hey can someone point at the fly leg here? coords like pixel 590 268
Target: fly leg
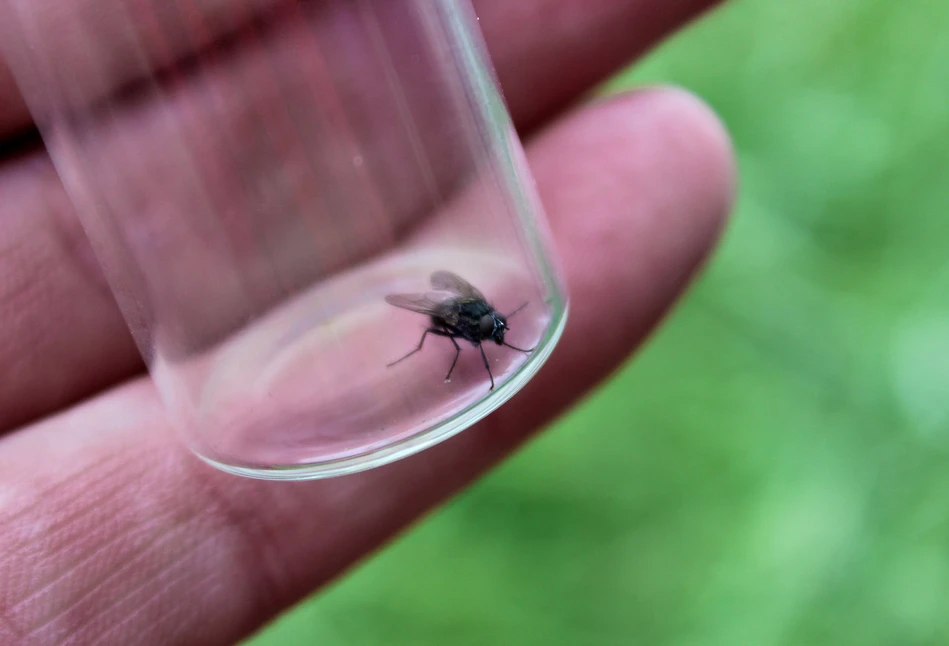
pixel 455 360
pixel 514 347
pixel 486 366
pixel 448 334
pixel 432 330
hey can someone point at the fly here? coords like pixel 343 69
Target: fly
pixel 457 310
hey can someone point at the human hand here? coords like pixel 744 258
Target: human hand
pixel 114 533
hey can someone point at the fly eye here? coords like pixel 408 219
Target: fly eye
pixel 487 325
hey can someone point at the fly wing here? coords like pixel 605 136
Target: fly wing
pixel 449 282
pixel 431 304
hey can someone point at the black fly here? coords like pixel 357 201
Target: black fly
pixel 457 311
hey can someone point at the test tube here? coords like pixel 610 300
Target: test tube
pixel 286 197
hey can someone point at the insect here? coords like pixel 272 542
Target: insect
pixel 457 310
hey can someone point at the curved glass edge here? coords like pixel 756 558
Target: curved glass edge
pixel 419 442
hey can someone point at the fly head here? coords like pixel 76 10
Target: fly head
pixel 493 326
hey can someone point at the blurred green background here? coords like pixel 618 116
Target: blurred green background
pixel 772 468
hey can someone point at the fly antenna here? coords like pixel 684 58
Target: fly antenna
pixel 516 311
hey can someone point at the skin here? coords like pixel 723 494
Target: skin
pixel 114 533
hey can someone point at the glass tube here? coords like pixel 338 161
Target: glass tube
pixel 259 177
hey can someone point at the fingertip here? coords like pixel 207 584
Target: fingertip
pixel 693 129
pixel 671 127
pixel 638 187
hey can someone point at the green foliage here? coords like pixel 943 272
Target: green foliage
pixel 784 477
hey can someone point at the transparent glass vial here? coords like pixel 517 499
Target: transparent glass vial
pixel 256 177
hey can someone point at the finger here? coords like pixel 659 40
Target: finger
pixel 61 335
pixel 14 115
pixel 123 49
pixel 112 533
pixel 546 51
pixel 549 52
pixel 49 275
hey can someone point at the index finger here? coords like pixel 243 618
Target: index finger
pixel 114 534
